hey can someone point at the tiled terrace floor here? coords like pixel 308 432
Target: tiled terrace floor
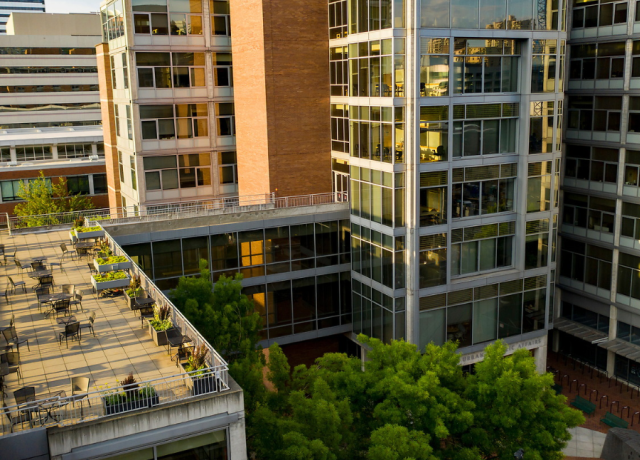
pixel 120 345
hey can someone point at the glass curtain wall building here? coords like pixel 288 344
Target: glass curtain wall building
pixel 169 80
pixel 599 260
pixel 448 114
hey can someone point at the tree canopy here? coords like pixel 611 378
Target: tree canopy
pixel 42 196
pixel 406 405
pixel 400 404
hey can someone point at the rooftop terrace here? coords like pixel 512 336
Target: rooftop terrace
pixel 120 346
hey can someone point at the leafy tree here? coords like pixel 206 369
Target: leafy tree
pixel 223 315
pixel 227 319
pixel 406 405
pixel 42 196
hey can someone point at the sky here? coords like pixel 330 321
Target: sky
pixel 72 6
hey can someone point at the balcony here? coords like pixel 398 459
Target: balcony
pixel 121 345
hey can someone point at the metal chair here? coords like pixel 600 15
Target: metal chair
pixel 12 359
pixel 61 306
pixel 79 391
pixel 70 330
pixel 14 285
pixel 20 266
pixel 67 252
pixel 37 265
pixel 68 288
pixel 41 293
pixel 11 336
pixel 13 256
pixel 46 281
pixel 17 417
pixel 92 320
pixel 77 300
pixel 175 339
pixel 5 294
pixel 146 313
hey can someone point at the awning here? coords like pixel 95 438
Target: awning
pixel 578 330
pixel 622 348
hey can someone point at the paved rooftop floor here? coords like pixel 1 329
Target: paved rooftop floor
pixel 120 345
pixel 585 443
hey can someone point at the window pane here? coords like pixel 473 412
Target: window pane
pixel 153 180
pixel 169 179
pixel 485 320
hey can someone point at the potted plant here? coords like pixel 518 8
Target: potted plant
pixel 135 290
pixel 130 397
pixel 201 379
pixel 111 263
pixel 110 280
pixel 83 233
pixel 160 323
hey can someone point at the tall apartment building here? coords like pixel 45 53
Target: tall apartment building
pixel 446 119
pixel 600 259
pixel 167 101
pixel 50 118
pixel 8 6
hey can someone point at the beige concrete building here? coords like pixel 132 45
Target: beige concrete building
pixel 50 117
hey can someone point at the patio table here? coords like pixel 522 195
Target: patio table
pixel 50 404
pixel 37 274
pixel 66 320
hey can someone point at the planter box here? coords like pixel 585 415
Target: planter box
pixel 128 406
pixel 86 235
pixel 159 338
pixel 111 267
pixel 124 282
pixel 201 385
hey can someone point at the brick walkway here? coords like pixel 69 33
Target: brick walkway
pixel 607 393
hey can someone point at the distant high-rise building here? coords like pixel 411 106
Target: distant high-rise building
pixel 23 6
pixel 50 117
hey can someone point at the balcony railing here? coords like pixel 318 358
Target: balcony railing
pixel 170 211
pixel 106 401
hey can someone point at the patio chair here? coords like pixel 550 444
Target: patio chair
pixel 67 252
pixel 20 266
pixel 14 285
pixel 57 264
pixel 77 300
pixel 11 336
pixel 5 294
pixel 92 320
pixel 17 417
pixel 147 313
pixel 61 306
pixel 70 330
pixel 79 390
pixel 92 268
pixel 38 265
pixel 68 288
pixel 12 359
pixel 175 339
pixel 6 256
pixel 25 395
pixel 42 292
pixel 46 281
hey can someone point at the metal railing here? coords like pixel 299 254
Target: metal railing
pixel 214 360
pixel 105 401
pixel 169 211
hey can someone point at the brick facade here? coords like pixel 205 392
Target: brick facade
pixel 108 124
pixel 281 89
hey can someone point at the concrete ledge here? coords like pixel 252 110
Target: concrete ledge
pixel 621 443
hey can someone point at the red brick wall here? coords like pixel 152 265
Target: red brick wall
pixel 281 78
pixel 108 124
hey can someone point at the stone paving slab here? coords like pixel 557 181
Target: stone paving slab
pixel 120 346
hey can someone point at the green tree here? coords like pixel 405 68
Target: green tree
pixel 41 196
pixel 404 404
pixel 515 408
pixel 223 315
